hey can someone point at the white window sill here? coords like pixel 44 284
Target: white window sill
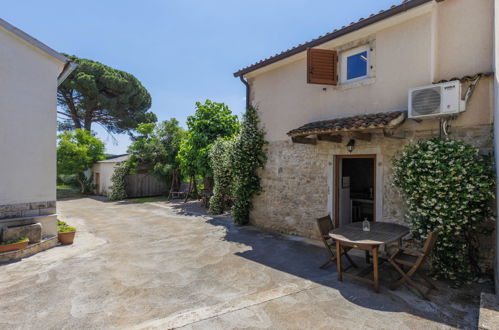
pixel 355 84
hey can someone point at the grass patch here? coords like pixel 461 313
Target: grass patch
pixel 65 191
pixel 147 199
pixel 65 186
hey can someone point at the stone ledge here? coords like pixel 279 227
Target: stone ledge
pixel 45 244
pixel 489 312
pixel 27 209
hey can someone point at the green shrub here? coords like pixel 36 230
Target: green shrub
pixel 63 227
pixel 448 186
pixel 14 241
pixel 220 161
pixel 247 157
pixel 118 188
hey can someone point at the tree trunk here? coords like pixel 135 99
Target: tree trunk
pixel 88 124
pixel 82 185
pixel 188 191
pixel 88 120
pixel 208 185
pixel 194 188
pixel 72 109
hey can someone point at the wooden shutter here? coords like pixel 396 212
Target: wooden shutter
pixel 322 66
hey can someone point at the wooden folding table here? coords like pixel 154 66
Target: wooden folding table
pixel 352 235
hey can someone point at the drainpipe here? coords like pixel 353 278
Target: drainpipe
pixel 496 131
pixel 247 91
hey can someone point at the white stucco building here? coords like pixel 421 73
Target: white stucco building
pixel 31 72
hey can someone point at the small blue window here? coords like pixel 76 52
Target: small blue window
pixel 357 65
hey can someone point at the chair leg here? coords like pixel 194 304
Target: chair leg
pixel 328 263
pixel 368 257
pixel 350 260
pixel 414 285
pixel 401 280
pixel 406 278
pixel 428 281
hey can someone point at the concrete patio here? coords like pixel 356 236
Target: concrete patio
pixel 152 265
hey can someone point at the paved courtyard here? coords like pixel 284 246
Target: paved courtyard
pixel 146 266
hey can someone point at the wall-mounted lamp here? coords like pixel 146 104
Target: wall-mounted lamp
pixel 350 145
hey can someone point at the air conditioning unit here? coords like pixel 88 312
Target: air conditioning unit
pixel 436 100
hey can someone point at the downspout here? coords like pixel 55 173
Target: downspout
pixel 496 132
pixel 247 91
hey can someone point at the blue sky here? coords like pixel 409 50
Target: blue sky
pixel 182 51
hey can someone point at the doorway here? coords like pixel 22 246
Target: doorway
pixel 355 189
pixel 97 183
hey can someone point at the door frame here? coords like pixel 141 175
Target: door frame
pixel 337 182
pixel 97 182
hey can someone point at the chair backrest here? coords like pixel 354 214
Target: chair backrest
pixel 325 225
pixel 429 244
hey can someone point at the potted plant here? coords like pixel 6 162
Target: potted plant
pixel 65 233
pixel 14 245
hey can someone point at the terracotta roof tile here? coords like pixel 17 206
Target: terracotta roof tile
pixel 355 123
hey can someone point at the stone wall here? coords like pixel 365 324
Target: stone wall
pixel 295 180
pixel 21 210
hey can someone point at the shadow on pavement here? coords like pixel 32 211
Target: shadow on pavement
pixel 452 307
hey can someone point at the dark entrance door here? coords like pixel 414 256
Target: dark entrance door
pixel 355 193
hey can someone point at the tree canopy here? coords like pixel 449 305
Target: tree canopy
pixel 76 151
pixel 211 121
pixel 157 147
pixel 96 93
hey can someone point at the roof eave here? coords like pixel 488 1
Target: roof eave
pixel 68 69
pixel 32 41
pixel 344 31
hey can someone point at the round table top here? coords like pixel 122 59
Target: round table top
pixel 380 233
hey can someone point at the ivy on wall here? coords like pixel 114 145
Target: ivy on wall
pixel 248 157
pixel 235 163
pixel 118 188
pixel 448 185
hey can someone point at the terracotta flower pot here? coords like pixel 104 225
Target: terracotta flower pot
pixel 13 246
pixel 67 237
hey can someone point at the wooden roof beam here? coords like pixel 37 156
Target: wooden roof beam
pixel 330 138
pixel 304 140
pixel 362 136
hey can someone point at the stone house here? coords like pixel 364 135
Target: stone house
pixel 31 72
pixel 335 109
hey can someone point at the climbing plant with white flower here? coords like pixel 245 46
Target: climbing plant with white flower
pixel 448 186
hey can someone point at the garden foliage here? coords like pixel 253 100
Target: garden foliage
pixel 220 159
pixel 448 185
pixel 211 121
pixel 156 148
pixel 241 159
pixel 77 151
pixel 118 179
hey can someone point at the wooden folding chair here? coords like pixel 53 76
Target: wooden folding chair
pixel 325 226
pixel 413 259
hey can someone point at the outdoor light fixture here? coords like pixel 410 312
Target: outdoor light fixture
pixel 350 145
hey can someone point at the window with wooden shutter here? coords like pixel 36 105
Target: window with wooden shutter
pixel 322 66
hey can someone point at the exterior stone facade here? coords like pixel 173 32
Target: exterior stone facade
pixel 25 214
pixel 21 210
pixel 296 180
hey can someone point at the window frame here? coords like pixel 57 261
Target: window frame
pixel 344 63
